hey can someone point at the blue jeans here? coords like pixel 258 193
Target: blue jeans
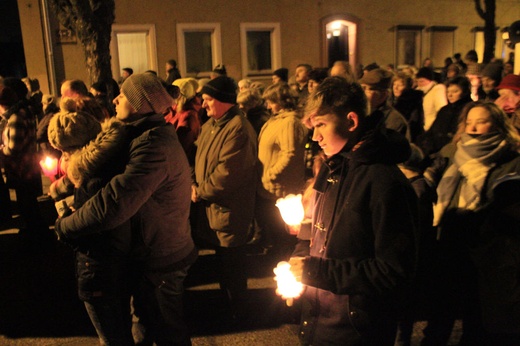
pixel 158 306
pixel 111 318
pixel 102 285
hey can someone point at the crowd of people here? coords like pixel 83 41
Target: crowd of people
pixel 410 181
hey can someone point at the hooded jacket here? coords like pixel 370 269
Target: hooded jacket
pixel 363 248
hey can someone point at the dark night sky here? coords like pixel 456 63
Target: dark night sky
pixel 12 59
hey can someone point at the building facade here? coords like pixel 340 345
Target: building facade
pixel 253 38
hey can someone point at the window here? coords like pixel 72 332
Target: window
pixel 199 48
pixel 442 40
pixel 260 48
pixel 408 45
pixel 133 46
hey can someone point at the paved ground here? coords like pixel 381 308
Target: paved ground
pixel 39 306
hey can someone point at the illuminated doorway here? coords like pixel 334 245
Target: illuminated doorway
pixel 339 39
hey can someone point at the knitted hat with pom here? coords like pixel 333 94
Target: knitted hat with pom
pixel 146 94
pixel 69 131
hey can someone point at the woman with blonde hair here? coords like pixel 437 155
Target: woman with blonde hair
pixel 185 115
pixel 281 147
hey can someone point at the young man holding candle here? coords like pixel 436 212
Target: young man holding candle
pixel 363 244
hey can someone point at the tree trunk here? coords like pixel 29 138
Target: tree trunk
pixel 91 21
pixel 489 27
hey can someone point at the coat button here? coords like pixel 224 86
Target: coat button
pixel 353 314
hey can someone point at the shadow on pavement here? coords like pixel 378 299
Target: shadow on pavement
pixel 38 291
pixel 38 295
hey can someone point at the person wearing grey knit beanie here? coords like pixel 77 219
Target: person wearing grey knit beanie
pixel 142 94
pixel 150 193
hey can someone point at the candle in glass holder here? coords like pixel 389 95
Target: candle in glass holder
pixel 288 286
pixel 291 209
pixel 49 166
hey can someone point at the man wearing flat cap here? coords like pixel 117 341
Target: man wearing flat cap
pixel 226 178
pixel 153 193
pixel 376 84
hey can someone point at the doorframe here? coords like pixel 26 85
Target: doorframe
pixel 354 53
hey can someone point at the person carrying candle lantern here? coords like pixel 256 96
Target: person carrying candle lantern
pixel 363 248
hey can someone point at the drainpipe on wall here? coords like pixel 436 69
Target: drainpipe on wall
pixel 47 37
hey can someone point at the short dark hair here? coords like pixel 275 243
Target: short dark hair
pixel 318 74
pixel 129 70
pixel 339 96
pixel 79 87
pixel 307 66
pixel 462 82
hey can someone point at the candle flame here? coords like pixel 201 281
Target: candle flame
pixel 288 285
pixel 291 209
pixel 49 166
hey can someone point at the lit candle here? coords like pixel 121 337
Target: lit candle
pixel 291 208
pixel 49 167
pixel 288 286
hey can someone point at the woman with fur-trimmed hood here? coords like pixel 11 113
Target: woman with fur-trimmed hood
pixel 92 155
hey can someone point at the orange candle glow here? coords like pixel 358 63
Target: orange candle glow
pixel 291 208
pixel 288 285
pixel 49 167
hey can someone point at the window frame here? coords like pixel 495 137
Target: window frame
pixel 216 46
pixel 434 31
pixel 276 51
pixel 148 29
pixel 418 45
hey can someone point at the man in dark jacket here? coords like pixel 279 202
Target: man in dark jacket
pixel 376 84
pixel 154 194
pixel 362 253
pixel 226 178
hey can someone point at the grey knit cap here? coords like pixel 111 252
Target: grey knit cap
pixel 146 94
pixel 69 131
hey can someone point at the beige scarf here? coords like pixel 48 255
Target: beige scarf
pixel 474 157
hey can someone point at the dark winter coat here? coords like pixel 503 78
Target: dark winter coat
pixel 443 128
pixel 153 193
pixel 227 176
pixel 363 250
pixel 409 104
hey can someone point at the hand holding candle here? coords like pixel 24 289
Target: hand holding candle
pixel 291 209
pixel 289 285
